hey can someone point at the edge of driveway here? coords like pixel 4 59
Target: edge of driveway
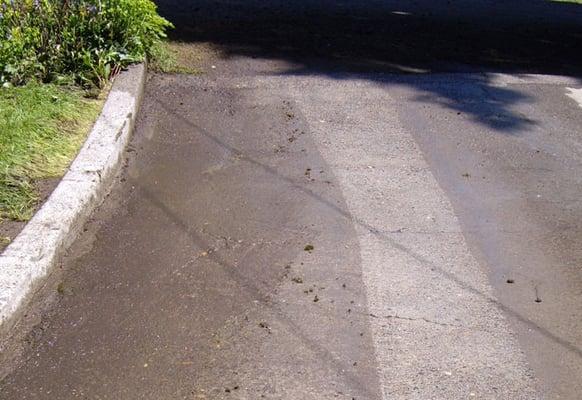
pixel 38 248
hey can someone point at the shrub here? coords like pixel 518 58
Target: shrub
pixel 48 40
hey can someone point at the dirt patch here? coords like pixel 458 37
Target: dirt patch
pixel 186 58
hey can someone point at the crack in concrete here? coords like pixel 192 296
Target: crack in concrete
pixel 394 316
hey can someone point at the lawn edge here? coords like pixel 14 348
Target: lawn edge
pixel 38 248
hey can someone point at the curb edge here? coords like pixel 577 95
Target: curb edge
pixel 32 255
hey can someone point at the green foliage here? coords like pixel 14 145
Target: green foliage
pixel 48 40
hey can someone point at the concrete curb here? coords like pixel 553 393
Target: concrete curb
pixel 38 248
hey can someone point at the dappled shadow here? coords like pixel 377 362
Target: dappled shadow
pixel 378 38
pixel 477 97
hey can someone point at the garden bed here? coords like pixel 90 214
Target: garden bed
pixel 56 60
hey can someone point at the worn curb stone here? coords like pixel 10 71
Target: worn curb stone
pixel 36 250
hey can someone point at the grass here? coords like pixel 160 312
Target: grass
pixel 42 127
pixel 176 58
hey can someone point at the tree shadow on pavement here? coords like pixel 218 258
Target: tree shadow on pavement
pixel 383 39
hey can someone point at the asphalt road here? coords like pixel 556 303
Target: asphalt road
pixel 332 219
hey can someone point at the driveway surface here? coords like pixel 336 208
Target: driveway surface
pixel 333 209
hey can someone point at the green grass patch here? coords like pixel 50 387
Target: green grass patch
pixel 42 127
pixel 176 58
pixel 568 1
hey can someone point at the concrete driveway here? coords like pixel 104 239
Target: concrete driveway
pixel 352 201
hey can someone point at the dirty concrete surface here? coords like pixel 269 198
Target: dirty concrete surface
pixel 328 213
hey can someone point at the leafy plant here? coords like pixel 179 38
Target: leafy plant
pixel 89 39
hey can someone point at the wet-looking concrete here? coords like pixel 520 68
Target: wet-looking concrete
pixel 199 282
